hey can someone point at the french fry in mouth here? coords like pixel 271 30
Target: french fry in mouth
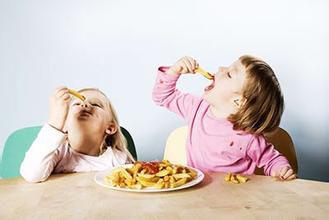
pixel 204 73
pixel 76 94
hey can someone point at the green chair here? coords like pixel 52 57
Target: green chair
pixel 20 141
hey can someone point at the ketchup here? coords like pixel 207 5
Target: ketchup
pixel 151 167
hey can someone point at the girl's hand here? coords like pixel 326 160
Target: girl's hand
pixel 286 173
pixel 59 106
pixel 183 65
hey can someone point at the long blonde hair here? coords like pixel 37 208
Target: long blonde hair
pixel 116 140
pixel 263 100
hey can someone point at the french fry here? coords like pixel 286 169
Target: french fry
pixel 145 183
pixel 241 179
pixel 232 178
pixel 76 94
pixel 163 173
pixel 146 176
pixel 180 182
pixel 125 174
pixel 159 185
pixel 228 177
pixel 204 73
pixel 181 176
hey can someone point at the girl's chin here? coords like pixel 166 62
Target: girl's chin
pixel 206 95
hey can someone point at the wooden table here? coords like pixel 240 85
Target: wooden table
pixel 77 196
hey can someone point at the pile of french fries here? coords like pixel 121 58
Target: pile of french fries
pixel 158 175
pixel 235 178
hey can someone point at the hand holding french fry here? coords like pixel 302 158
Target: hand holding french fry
pixel 183 65
pixel 59 106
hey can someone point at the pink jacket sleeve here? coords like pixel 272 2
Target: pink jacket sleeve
pixel 264 155
pixel 165 94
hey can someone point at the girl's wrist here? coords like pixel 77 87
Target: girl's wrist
pixel 57 126
pixel 171 71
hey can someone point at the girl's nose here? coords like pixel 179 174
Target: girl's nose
pixel 222 69
pixel 85 105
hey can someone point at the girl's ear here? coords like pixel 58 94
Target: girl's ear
pixel 111 129
pixel 239 101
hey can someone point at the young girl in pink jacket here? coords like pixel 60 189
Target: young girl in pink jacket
pixel 227 124
pixel 80 136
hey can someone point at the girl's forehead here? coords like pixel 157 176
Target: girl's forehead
pixel 238 66
pixel 94 94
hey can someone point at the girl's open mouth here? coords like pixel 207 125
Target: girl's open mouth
pixel 210 87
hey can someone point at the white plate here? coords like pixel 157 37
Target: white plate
pixel 100 179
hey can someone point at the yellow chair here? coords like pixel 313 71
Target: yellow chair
pixel 175 150
pixel 283 143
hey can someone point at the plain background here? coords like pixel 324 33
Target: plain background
pixel 117 46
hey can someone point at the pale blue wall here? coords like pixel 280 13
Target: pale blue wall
pixel 118 45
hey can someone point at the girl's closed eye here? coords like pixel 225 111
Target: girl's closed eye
pixel 229 75
pixel 96 105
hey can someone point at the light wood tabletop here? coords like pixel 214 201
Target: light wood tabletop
pixel 77 196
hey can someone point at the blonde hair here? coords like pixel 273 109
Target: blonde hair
pixel 263 101
pixel 116 140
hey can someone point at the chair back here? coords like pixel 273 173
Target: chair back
pixel 175 150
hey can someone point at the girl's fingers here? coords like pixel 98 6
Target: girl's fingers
pixel 196 64
pixel 62 92
pixel 187 65
pixel 283 171
pixel 191 61
pixel 293 176
pixel 183 66
pixel 288 174
pixel 66 97
pixel 275 174
pixel 58 89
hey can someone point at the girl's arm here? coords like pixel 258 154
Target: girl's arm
pixel 43 155
pixel 265 155
pixel 165 92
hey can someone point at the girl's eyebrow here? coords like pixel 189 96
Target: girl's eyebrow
pixel 235 68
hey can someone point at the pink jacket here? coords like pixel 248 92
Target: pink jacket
pixel 212 144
